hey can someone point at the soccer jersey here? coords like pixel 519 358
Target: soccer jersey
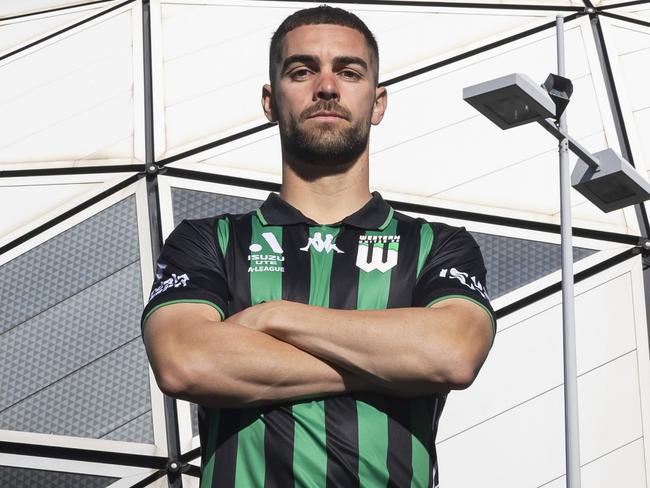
pixel 375 258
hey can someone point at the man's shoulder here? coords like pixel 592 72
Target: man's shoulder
pixel 209 224
pixel 436 227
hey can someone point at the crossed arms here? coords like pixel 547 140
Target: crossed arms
pixel 284 351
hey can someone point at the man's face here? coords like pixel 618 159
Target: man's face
pixel 324 95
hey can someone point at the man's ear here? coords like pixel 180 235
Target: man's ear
pixel 267 103
pixel 381 101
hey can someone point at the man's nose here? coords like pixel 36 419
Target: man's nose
pixel 327 87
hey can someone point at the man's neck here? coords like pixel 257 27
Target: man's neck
pixel 330 198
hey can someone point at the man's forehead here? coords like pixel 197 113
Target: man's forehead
pixel 323 39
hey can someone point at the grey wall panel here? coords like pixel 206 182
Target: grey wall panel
pixel 90 402
pixel 133 431
pixel 512 263
pixel 36 478
pixel 192 204
pixel 70 335
pixel 68 263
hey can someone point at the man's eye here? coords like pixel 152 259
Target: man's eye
pixel 350 74
pixel 300 73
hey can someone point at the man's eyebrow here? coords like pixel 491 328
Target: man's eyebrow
pixel 345 60
pixel 299 58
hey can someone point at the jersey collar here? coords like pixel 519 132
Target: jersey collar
pixel 376 214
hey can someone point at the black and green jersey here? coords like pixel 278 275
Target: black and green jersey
pixel 373 259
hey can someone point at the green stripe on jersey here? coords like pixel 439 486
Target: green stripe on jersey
pixel 426 241
pixel 208 469
pixel 374 287
pixel 373 440
pixel 421 442
pixel 320 270
pixel 250 469
pixel 223 234
pixel 309 443
pixel 265 284
pixel 310 453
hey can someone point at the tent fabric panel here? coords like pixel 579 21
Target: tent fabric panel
pixel 21 204
pixel 80 106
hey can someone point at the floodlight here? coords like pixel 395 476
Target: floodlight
pixel 511 100
pixel 559 89
pixel 614 185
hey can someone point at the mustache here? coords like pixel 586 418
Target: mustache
pixel 326 106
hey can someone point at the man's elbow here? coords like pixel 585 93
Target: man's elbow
pixel 173 379
pixel 459 372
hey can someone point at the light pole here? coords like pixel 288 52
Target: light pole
pixel 605 179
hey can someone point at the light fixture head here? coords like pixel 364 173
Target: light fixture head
pixel 559 89
pixel 510 101
pixel 615 185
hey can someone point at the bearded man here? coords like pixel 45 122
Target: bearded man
pixel 321 333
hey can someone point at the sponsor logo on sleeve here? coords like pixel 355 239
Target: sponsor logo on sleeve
pixel 377 253
pixel 319 245
pixel 174 281
pixel 469 281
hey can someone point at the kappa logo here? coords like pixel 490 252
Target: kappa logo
pixel 377 252
pixel 469 281
pixel 321 245
pixel 266 262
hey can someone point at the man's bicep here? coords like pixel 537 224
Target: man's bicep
pixel 473 316
pixel 174 320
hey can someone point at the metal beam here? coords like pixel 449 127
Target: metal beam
pixel 174 478
pixel 419 208
pixel 89 455
pixel 75 170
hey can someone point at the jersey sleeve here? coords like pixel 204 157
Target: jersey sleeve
pixel 454 268
pixel 190 269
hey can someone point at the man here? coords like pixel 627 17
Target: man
pixel 321 333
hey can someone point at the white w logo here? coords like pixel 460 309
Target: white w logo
pixel 377 252
pixel 319 244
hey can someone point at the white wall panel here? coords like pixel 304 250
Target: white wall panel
pixel 512 416
pixel 522 448
pixel 623 467
pixel 610 407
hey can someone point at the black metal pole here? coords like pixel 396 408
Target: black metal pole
pixel 171 415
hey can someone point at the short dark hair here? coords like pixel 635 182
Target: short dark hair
pixel 322 14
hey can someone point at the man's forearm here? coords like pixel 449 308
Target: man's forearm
pixel 415 350
pixel 233 366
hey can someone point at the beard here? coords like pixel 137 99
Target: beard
pixel 324 147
